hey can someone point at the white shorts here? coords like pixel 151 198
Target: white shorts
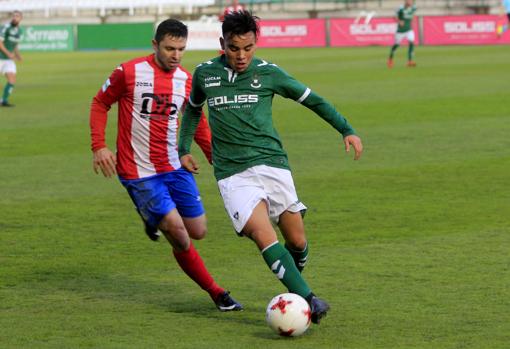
pixel 7 66
pixel 243 191
pixel 409 35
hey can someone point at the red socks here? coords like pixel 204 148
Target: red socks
pixel 193 265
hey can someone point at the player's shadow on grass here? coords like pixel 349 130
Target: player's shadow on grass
pixel 93 284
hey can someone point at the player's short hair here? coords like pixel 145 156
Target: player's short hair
pixel 171 27
pixel 17 12
pixel 240 23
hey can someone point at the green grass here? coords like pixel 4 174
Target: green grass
pixel 409 245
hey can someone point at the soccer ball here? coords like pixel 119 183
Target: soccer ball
pixel 288 314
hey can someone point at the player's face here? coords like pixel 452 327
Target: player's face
pixel 169 51
pixel 239 50
pixel 409 3
pixel 16 18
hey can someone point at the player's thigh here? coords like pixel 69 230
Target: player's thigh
pixel 259 228
pixel 174 230
pixel 399 37
pixel 151 198
pixel 241 193
pixel 196 227
pixel 280 190
pixel 410 36
pixel 184 192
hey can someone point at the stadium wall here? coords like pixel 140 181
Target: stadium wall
pixel 333 32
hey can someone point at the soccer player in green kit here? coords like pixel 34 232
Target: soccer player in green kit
pixel 405 16
pixel 249 162
pixel 10 35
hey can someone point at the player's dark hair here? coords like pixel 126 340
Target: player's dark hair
pixel 240 23
pixel 171 27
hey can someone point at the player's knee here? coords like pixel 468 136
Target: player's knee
pixel 198 233
pixel 297 244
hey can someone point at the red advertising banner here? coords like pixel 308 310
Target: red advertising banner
pixel 362 32
pixel 463 30
pixel 293 33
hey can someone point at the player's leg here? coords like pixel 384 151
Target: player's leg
pixel 293 231
pixel 398 39
pixel 184 192
pixel 410 50
pixel 10 74
pixel 154 203
pixel 260 230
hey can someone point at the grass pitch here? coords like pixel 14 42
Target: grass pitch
pixel 409 244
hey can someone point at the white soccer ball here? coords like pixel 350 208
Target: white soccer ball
pixel 288 314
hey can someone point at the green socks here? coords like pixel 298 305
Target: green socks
pixel 282 265
pixel 410 51
pixel 7 92
pixel 393 49
pixel 299 257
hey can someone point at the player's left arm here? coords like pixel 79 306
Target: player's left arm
pixel 189 125
pixel 203 133
pixel 9 54
pixel 288 87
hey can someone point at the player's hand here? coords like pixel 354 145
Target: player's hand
pixel 189 163
pixel 105 160
pixel 355 141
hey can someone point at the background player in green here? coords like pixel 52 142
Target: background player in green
pixel 249 161
pixel 405 16
pixel 10 35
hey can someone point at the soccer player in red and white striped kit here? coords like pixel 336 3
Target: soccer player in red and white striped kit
pixel 151 92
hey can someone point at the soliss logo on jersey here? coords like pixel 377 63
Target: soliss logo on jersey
pixel 162 107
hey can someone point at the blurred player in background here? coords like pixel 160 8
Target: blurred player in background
pixel 151 91
pixel 236 6
pixel 10 36
pixel 503 26
pixel 250 164
pixel 405 16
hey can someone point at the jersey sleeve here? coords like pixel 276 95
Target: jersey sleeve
pixel 3 33
pixel 203 133
pixel 109 93
pixel 192 116
pixel 288 87
pixel 400 14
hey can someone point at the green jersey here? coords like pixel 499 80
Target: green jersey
pixel 405 14
pixel 240 113
pixel 10 36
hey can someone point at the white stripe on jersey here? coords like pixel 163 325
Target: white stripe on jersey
pixel 303 97
pixel 140 128
pixel 178 96
pixel 194 104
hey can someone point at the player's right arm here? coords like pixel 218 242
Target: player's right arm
pixel 190 121
pixel 103 158
pixel 288 87
pixel 4 50
pixel 400 17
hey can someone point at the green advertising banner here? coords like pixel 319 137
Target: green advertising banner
pixel 115 36
pixel 47 38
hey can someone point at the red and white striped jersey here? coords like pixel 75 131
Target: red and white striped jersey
pixel 150 100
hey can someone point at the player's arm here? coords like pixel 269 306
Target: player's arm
pixel 190 121
pixel 4 50
pixel 289 87
pixel 400 17
pixel 203 133
pixel 103 158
